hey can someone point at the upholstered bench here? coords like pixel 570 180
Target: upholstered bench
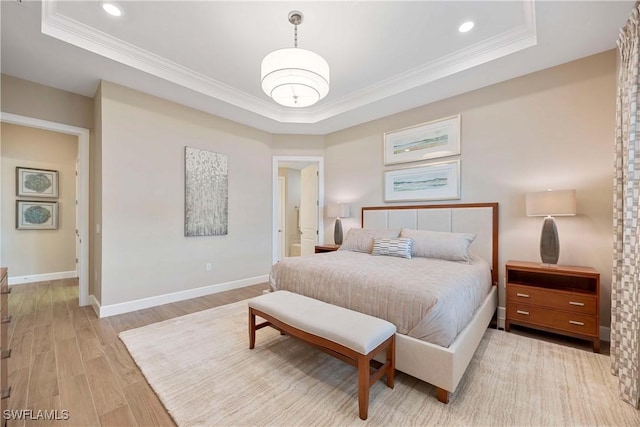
pixel 350 336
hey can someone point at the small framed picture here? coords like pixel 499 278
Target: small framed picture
pixel 36 182
pixel 36 215
pixel 434 181
pixel 439 138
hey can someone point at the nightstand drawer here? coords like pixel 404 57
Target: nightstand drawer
pixel 568 301
pixel 549 318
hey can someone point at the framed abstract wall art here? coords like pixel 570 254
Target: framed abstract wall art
pixel 434 181
pixel 36 182
pixel 206 193
pixel 439 138
pixel 36 215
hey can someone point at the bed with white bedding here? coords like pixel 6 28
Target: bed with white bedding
pixel 428 299
pixel 440 306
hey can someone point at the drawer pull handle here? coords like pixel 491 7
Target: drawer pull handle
pixel 575 322
pixel 5 291
pixel 580 304
pixel 6 393
pixel 6 319
pixel 522 295
pixel 526 313
pixel 5 354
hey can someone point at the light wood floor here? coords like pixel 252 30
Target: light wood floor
pixel 65 358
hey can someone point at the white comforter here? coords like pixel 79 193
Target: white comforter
pixel 428 299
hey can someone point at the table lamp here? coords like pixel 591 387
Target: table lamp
pixel 337 211
pixel 549 204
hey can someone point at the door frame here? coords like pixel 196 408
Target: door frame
pixel 282 218
pixel 274 228
pixel 83 190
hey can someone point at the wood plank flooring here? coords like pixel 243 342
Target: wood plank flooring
pixel 65 358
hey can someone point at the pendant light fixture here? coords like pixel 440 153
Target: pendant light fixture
pixel 295 77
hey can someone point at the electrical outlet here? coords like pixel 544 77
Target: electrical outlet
pixel 208 266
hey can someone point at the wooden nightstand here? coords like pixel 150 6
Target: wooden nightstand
pixel 326 248
pixel 555 298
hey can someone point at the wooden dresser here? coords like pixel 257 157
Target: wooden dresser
pixel 5 353
pixel 555 298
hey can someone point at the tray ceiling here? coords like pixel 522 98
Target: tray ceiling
pixel 385 57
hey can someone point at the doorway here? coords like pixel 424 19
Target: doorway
pixel 297 205
pixel 82 189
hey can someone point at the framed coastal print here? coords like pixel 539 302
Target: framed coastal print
pixel 36 215
pixel 36 182
pixel 434 181
pixel 440 138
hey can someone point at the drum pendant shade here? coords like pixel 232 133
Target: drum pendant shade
pixel 295 77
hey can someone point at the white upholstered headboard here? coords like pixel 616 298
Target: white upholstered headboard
pixel 480 219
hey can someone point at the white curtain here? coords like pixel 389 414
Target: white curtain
pixel 625 287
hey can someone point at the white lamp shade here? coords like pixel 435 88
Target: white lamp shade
pixel 339 210
pixel 295 77
pixel 551 203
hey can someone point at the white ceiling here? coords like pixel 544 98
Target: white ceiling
pixel 385 57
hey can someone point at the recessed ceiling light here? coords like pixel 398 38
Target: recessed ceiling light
pixel 466 26
pixel 112 9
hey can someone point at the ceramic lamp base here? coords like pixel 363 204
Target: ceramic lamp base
pixel 549 242
pixel 337 232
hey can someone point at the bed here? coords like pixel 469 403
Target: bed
pixel 440 307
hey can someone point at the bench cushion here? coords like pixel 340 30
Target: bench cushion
pixel 359 332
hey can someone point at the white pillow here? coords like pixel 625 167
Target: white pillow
pixel 361 239
pixel 440 245
pixel 392 247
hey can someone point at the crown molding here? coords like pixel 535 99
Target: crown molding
pixel 69 30
pixel 66 29
pixel 490 49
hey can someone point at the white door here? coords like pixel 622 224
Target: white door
pixel 281 218
pixel 309 209
pixel 78 240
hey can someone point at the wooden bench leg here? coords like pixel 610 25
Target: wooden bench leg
pixel 391 358
pixel 363 386
pixel 252 329
pixel 443 395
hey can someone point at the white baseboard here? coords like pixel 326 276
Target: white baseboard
pixel 605 331
pixel 126 307
pixel 95 304
pixel 19 280
pixel 502 316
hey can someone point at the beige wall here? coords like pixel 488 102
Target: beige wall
pixel 46 103
pixel 550 129
pixel 297 145
pixel 144 251
pixel 31 252
pixel 553 129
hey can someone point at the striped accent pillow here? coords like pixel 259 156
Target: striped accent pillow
pixel 400 247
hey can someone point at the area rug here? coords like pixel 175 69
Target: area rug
pixel 204 373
